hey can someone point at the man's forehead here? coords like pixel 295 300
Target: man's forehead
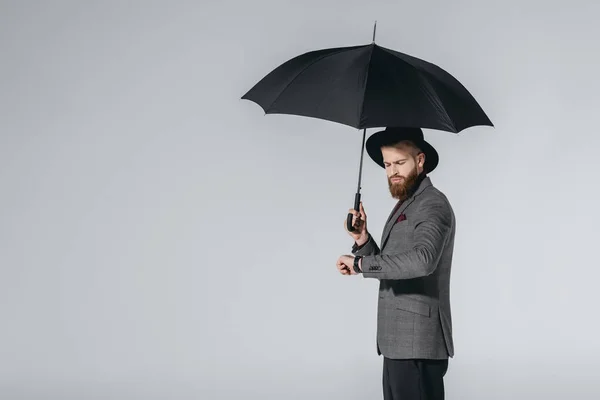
pixel 392 154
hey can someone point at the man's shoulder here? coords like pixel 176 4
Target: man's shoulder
pixel 432 193
pixel 431 196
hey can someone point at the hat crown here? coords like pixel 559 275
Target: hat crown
pixel 394 134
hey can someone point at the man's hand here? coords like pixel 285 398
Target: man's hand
pixel 359 222
pixel 345 265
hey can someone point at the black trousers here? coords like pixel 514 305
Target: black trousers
pixel 413 379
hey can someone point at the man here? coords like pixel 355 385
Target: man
pixel 414 324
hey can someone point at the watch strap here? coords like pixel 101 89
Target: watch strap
pixel 356 268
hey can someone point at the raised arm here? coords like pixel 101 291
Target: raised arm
pixel 434 222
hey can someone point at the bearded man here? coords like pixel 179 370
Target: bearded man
pixel 412 264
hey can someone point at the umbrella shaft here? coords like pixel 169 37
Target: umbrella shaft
pixel 362 153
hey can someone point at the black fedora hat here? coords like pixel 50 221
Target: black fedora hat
pixel 392 135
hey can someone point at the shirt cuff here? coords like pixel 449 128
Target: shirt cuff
pixel 356 247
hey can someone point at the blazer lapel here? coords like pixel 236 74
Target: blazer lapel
pixel 395 214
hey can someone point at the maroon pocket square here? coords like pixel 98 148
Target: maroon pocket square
pixel 401 217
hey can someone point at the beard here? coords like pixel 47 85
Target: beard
pixel 402 190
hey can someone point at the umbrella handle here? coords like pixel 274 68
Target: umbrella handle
pixel 350 216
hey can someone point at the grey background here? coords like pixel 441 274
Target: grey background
pixel 162 239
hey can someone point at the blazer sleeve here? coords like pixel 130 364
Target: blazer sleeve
pixel 369 248
pixel 434 220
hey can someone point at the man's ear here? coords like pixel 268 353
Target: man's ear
pixel 421 159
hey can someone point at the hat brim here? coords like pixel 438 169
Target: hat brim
pixel 383 138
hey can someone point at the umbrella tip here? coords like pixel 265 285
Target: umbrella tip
pixel 374 30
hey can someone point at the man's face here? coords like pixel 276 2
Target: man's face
pixel 402 169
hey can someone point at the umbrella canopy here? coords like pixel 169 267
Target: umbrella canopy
pixel 368 86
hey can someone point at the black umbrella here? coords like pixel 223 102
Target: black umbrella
pixel 368 86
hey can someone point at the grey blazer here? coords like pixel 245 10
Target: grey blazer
pixel 413 267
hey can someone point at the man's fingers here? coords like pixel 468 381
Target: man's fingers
pixel 356 219
pixel 343 269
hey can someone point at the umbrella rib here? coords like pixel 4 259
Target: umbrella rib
pixel 467 92
pixel 300 73
pixel 432 93
pixel 362 106
pixel 435 98
pixel 445 85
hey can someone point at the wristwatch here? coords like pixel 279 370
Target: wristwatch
pixel 356 260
